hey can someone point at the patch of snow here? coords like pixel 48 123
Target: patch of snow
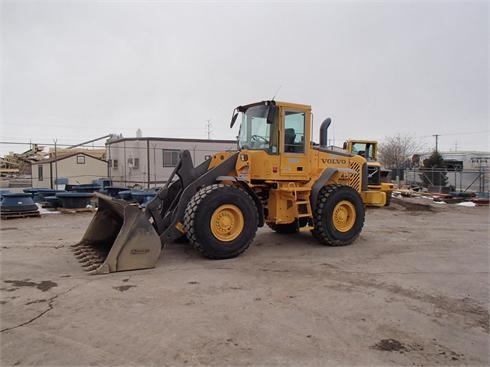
pixel 46 211
pixel 468 204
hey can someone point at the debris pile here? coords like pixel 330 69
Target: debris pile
pixel 455 197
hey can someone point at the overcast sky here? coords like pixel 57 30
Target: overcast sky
pixel 78 70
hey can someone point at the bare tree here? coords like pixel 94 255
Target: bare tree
pixel 397 151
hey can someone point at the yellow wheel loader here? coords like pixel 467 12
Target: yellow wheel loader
pixel 277 176
pixel 377 175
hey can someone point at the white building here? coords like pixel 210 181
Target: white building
pixel 77 168
pixel 148 162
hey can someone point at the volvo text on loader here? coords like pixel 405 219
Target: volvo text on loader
pixel 275 177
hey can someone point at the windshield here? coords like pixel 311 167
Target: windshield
pixel 364 149
pixel 255 133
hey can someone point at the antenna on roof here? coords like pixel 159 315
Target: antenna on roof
pixel 277 91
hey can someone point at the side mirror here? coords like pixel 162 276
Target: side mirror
pixel 233 119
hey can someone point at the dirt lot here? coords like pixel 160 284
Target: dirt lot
pixel 413 290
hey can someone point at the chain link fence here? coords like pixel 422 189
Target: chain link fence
pixel 467 180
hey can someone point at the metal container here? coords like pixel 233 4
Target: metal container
pixel 74 200
pixel 17 203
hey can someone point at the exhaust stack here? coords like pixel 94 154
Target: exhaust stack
pixel 324 131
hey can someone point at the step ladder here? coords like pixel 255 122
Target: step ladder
pixel 302 201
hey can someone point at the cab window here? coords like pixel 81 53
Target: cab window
pixel 294 132
pixel 363 149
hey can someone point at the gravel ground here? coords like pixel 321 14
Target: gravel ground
pixel 412 290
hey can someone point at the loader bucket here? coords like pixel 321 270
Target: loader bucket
pixel 120 237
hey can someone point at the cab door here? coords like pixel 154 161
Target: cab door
pixel 294 145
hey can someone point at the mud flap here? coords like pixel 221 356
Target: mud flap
pixel 120 237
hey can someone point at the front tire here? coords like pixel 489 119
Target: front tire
pixel 338 216
pixel 221 221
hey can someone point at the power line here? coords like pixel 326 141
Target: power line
pixel 43 144
pixel 127 146
pixel 461 133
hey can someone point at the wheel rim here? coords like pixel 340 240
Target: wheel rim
pixel 227 222
pixel 344 216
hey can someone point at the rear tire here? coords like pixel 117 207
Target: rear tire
pixel 338 216
pixel 388 198
pixel 221 221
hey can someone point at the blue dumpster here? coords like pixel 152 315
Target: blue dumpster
pixel 74 200
pixel 18 205
pixel 143 196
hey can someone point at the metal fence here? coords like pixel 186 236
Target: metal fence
pixel 475 180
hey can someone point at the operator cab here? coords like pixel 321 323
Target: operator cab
pixel 366 149
pixel 260 128
pixel 277 135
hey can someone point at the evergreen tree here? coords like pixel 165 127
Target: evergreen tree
pixel 434 170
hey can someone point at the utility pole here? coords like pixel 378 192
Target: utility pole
pixel 55 165
pixel 481 163
pixel 437 140
pixel 208 128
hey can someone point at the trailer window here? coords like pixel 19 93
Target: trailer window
pixel 170 157
pixel 40 173
pixel 133 163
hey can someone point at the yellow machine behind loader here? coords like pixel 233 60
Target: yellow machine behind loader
pixel 275 177
pixel 377 175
